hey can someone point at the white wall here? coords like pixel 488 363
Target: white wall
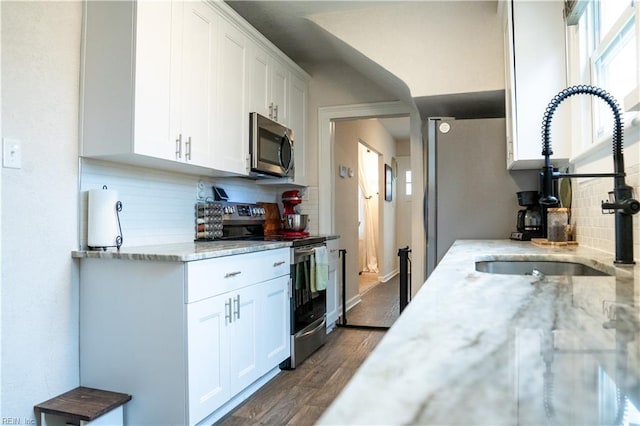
pixel 40 66
pixel 440 47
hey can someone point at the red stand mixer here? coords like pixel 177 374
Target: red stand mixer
pixel 294 224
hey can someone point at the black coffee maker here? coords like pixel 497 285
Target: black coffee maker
pixel 529 222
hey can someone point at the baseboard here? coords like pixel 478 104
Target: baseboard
pixel 353 301
pixel 239 398
pixel 385 278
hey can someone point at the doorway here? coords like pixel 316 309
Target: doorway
pixel 365 215
pixel 368 217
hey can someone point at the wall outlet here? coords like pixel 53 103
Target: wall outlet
pixel 200 191
pixel 11 153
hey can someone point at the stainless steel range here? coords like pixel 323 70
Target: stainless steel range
pixel 244 221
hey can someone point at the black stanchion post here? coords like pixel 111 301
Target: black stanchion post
pixel 343 254
pixel 403 253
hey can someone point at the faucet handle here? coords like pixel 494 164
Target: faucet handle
pixel 628 206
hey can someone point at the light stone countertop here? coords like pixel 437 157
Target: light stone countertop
pixel 475 348
pixel 183 252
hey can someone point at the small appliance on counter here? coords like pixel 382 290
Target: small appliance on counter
pixel 529 219
pixel 294 224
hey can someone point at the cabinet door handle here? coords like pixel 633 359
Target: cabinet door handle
pixel 271 110
pixel 276 264
pixel 227 311
pixel 187 146
pixel 275 113
pixel 179 147
pixel 232 274
pixel 236 302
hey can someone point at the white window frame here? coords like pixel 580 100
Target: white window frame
pixel 589 52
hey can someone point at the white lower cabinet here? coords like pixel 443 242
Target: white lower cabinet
pixel 183 338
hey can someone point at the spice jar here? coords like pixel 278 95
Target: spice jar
pixel 557 221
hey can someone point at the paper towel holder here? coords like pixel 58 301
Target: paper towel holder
pixel 119 239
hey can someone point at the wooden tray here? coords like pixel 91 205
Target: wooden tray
pixel 543 242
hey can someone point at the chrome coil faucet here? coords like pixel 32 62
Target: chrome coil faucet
pixel 623 203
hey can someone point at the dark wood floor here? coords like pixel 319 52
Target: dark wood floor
pixel 379 306
pixel 300 396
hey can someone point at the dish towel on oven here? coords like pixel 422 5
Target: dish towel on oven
pixel 322 267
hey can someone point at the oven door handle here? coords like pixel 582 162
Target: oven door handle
pixel 304 251
pixel 322 324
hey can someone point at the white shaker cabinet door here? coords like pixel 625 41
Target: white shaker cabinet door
pixel 153 80
pixel 200 26
pixel 243 347
pixel 275 335
pixel 208 355
pixel 280 92
pixel 260 82
pixel 297 123
pixel 231 145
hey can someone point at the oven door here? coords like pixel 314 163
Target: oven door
pixel 308 305
pixel 308 308
pixel 271 147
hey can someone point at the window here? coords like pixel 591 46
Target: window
pixel 407 183
pixel 608 51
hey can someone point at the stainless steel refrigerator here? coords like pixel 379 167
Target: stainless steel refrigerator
pixel 470 194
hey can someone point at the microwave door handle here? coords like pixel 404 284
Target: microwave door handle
pixel 286 139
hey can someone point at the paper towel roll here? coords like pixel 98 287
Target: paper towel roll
pixel 102 220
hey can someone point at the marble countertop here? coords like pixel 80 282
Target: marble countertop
pixel 186 252
pixel 475 348
pixel 183 252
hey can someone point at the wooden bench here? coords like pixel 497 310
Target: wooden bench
pixel 83 406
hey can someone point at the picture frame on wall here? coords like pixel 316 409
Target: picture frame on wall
pixel 388 183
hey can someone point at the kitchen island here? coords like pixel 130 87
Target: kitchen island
pixel 493 349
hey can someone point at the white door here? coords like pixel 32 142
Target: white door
pixel 260 81
pixel 280 92
pixel 231 144
pixel 200 29
pixel 153 80
pixel 208 355
pixel 274 332
pixel 243 343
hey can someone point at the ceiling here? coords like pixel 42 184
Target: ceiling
pixel 285 23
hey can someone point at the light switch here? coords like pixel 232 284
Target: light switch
pixel 11 153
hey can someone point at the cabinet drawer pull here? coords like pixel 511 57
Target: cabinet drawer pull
pixel 179 147
pixel 227 311
pixel 236 312
pixel 187 146
pixel 276 264
pixel 232 274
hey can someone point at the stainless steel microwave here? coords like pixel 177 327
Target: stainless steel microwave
pixel 270 147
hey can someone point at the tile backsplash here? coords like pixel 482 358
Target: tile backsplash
pixel 158 206
pixel 594 229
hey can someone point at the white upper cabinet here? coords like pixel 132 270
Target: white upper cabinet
pixel 170 85
pixel 535 71
pixel 125 96
pixel 197 85
pixel 298 123
pixel 269 86
pixel 231 146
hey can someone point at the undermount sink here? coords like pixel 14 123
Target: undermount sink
pixel 527 267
